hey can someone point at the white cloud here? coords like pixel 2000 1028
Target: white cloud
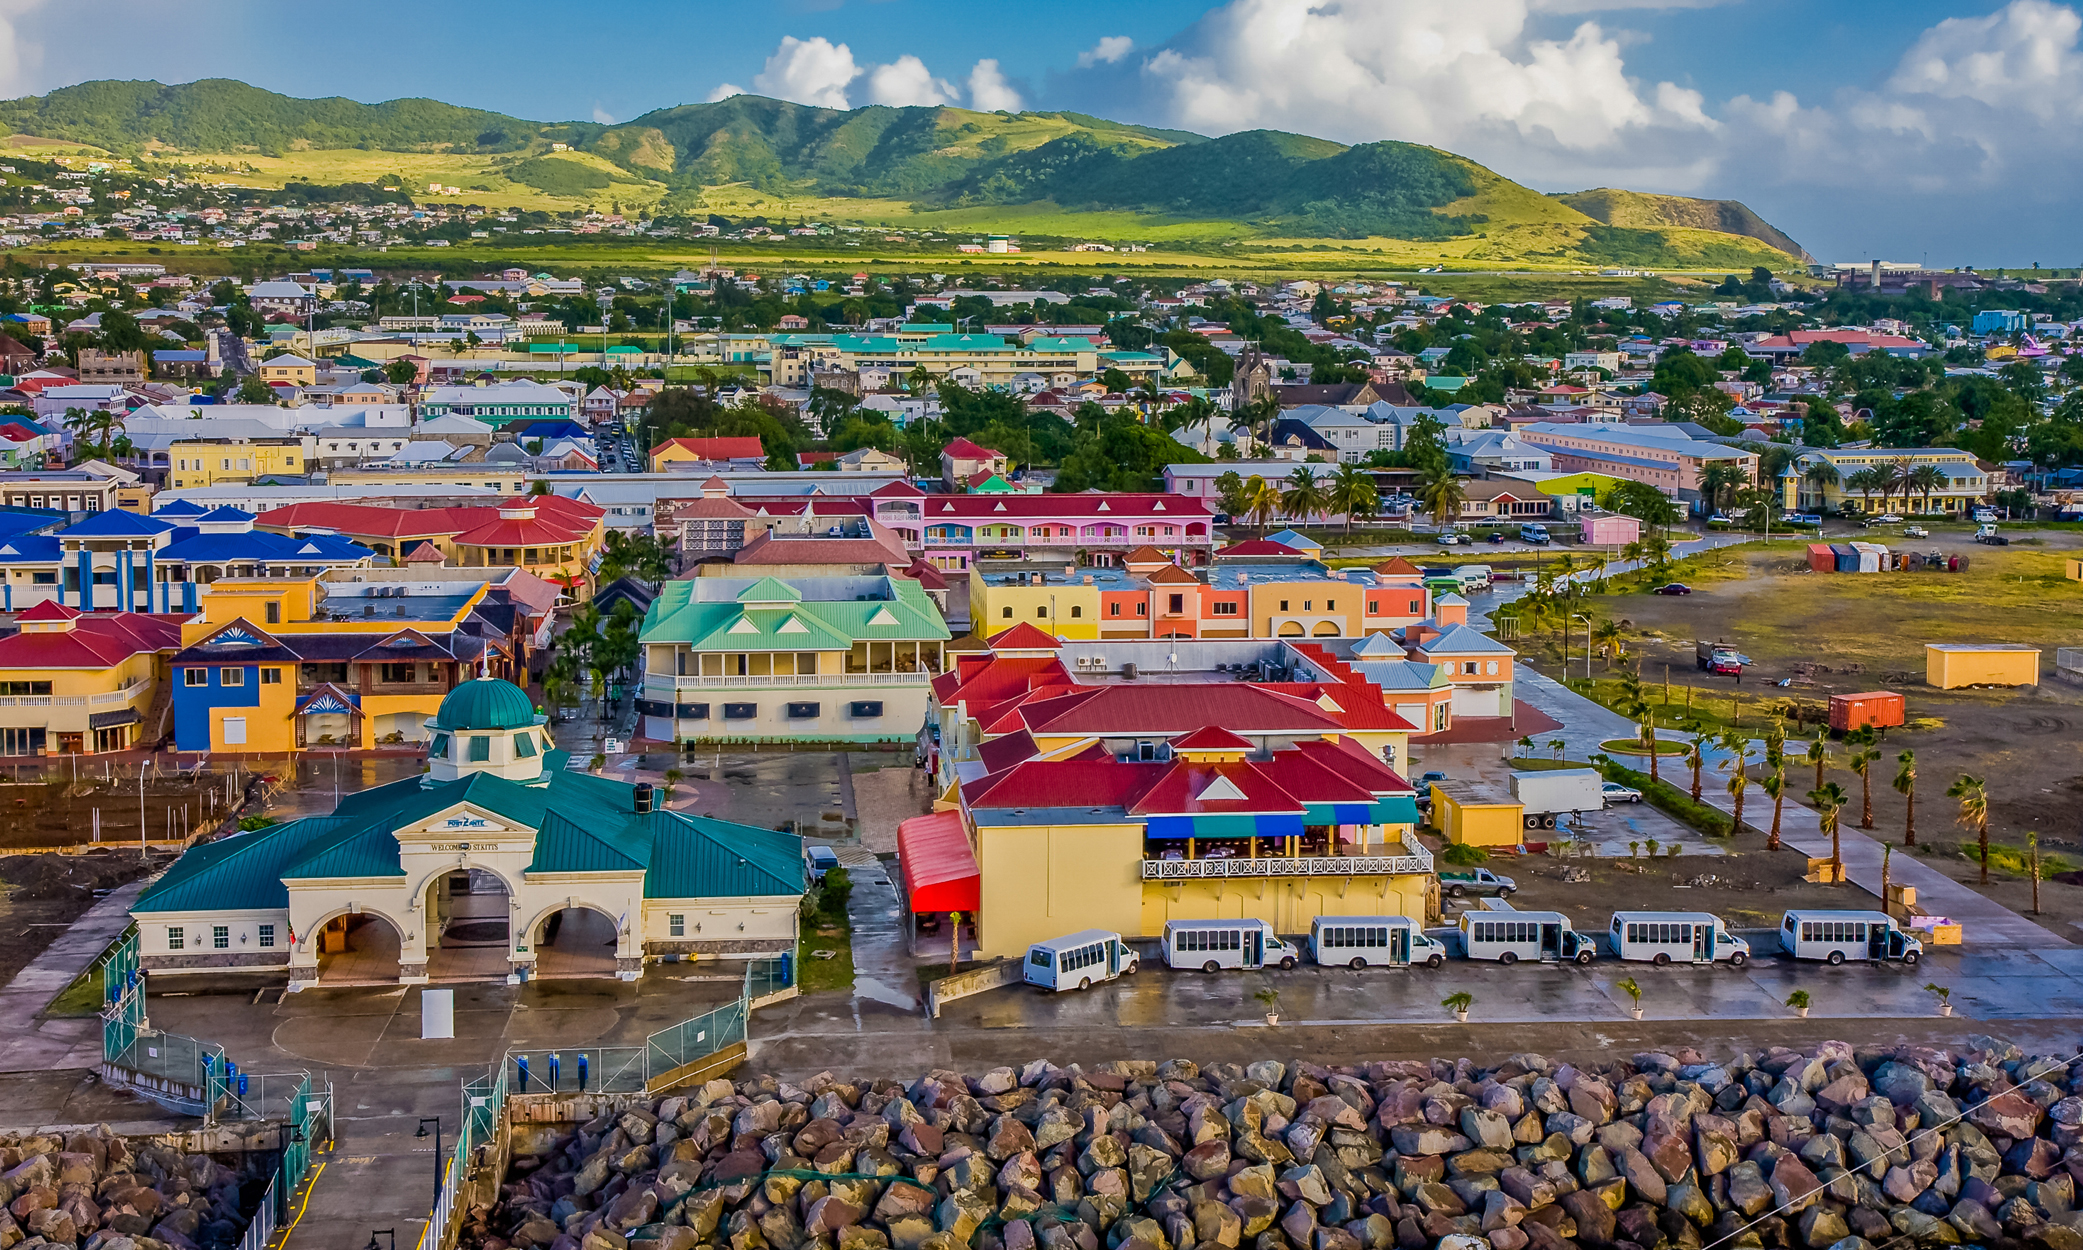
pixel 811 71
pixel 1108 50
pixel 602 116
pixel 907 81
pixel 725 91
pixel 988 89
pixel 18 55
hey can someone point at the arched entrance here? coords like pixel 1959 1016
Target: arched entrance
pixel 469 926
pixel 358 949
pixel 1327 629
pixel 575 942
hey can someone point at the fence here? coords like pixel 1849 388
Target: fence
pixel 484 1103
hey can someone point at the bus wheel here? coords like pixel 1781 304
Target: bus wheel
pixel 1435 961
pixel 1910 958
pixel 1583 957
pixel 1508 959
pixel 1738 959
pixel 1287 963
pixel 1210 966
pixel 1132 967
pixel 1358 963
pixel 1085 983
pixel 1662 960
pixel 1836 958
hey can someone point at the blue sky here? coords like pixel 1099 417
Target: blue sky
pixel 1901 129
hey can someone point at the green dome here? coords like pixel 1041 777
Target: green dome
pixel 486 703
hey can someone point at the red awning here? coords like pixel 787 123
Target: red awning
pixel 939 869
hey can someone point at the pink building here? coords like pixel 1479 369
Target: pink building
pixel 951 530
pixel 1611 529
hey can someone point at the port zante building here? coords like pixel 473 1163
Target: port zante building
pixel 498 863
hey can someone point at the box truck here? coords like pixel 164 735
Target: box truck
pixel 1546 795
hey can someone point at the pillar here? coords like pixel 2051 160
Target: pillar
pixel 123 580
pixel 86 581
pixel 151 577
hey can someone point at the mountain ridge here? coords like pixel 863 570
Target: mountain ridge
pixel 1272 183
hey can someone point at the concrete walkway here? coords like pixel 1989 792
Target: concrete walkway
pixel 28 1044
pixel 1984 924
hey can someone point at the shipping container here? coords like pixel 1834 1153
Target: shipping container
pixel 1880 708
pixel 1847 557
pixel 1821 559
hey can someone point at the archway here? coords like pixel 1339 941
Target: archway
pixel 1327 629
pixel 469 925
pixel 358 949
pixel 575 941
pixel 1290 629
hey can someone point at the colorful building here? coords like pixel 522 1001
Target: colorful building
pixel 1662 456
pixel 498 403
pixel 81 683
pixel 554 538
pixel 708 454
pixel 563 872
pixel 952 531
pixel 237 461
pixel 819 659
pixel 1817 481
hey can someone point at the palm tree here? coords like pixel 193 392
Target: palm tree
pixel 1304 497
pixel 1607 632
pixel 1861 762
pixel 1716 478
pixel 1739 780
pixel 1821 475
pixel 1829 804
pixel 1775 743
pixel 1866 481
pixel 1819 755
pixel 1264 502
pixel 1894 475
pixel 1906 786
pixel 1442 494
pixel 1925 479
pixel 1353 493
pixel 1974 813
pixel 1635 703
pixel 1696 756
pixel 1775 786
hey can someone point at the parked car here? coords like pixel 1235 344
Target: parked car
pixel 817 861
pixel 1617 793
pixel 1672 588
pixel 1449 538
pixel 1480 882
pixel 1802 518
pixel 1916 531
pixel 1885 518
pixel 1992 540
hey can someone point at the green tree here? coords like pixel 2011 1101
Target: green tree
pixel 1305 497
pixel 1829 802
pixel 1862 758
pixel 1233 493
pixel 1974 813
pixel 1906 786
pixel 1775 787
pixel 1265 502
pixel 254 391
pixel 1354 494
pixel 1442 495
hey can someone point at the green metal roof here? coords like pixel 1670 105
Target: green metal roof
pixel 239 873
pixel 770 590
pixel 486 703
pixel 816 618
pixel 703 857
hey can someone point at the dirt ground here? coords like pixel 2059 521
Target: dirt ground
pixel 54 804
pixel 1841 633
pixel 40 895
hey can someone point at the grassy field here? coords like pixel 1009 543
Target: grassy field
pixel 820 933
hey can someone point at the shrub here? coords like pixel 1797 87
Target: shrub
pixel 832 895
pixel 1462 855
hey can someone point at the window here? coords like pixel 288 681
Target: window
pixel 1374 607
pixel 1330 605
pixel 1008 613
pixel 176 938
pixel 1142 609
pixel 1283 605
pixel 267 936
pixel 231 677
pixel 1076 611
pixel 676 925
pixel 480 749
pixel 274 612
pixel 1178 603
pixel 195 677
pixel 438 749
pixel 1492 668
pixel 524 746
pixel 1041 613
pixel 220 937
pixel 271 677
pixel 1113 609
pixel 398 673
pixel 1226 607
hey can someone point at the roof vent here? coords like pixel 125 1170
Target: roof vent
pixel 643 797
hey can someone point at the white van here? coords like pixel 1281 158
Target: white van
pixel 1473 577
pixel 1835 936
pixel 1535 533
pixel 1212 944
pixel 1373 941
pixel 1078 960
pixel 1508 935
pixel 1667 937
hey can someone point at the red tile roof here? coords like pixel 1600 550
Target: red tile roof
pixel 745 448
pixel 95 640
pixel 571 517
pixel 963 449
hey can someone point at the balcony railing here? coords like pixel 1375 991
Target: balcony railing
pixel 1306 866
pixel 125 695
pixel 794 679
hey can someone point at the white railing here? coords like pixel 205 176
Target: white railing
pixel 65 700
pixel 1306 866
pixel 668 684
pixel 125 695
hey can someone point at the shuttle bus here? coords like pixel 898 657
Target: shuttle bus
pixel 1668 937
pixel 1214 944
pixel 1373 941
pixel 1835 936
pixel 1078 960
pixel 1510 935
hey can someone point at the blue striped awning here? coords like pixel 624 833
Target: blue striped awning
pixel 1260 825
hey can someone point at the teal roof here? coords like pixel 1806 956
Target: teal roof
pixel 812 614
pixel 770 590
pixel 486 703
pixel 584 824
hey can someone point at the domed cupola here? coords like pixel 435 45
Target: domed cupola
pixel 487 725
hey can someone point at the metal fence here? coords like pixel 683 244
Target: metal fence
pixel 694 1039
pixel 262 1230
pixel 484 1102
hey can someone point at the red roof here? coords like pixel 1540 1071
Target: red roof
pixel 939 870
pixel 95 640
pixel 1188 788
pixel 49 610
pixel 745 448
pixel 1023 637
pixel 1122 506
pixel 573 518
pixel 1257 547
pixel 963 449
pixel 1211 738
pixel 1397 566
pixel 1168 708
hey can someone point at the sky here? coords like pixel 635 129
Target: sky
pixel 1942 131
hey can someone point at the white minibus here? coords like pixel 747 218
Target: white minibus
pixel 1667 937
pixel 1078 960
pixel 1509 936
pixel 1373 941
pixel 1835 936
pixel 1213 944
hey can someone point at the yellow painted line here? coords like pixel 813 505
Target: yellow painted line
pixel 301 1209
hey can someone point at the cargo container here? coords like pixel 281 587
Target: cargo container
pixel 1821 559
pixel 1546 794
pixel 1879 708
pixel 1847 557
pixel 1872 557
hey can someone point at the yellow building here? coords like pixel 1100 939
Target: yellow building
pixel 81 683
pixel 237 461
pixel 1824 480
pixel 1477 815
pixel 1951 665
pixel 289 370
pixel 1217 830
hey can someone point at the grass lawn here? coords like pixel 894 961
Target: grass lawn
pixel 81 998
pixel 2003 857
pixel 822 933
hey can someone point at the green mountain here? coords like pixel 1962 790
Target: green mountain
pixel 938 161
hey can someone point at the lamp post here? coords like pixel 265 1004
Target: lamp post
pixel 434 1120
pixel 1587 646
pixel 391 1233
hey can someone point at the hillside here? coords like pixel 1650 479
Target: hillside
pixel 1639 210
pixel 1059 174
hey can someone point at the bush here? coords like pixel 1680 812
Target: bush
pixel 1462 855
pixel 251 823
pixel 1667 798
pixel 832 895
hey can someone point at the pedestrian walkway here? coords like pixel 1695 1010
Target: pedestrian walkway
pixel 28 1044
pixel 1984 923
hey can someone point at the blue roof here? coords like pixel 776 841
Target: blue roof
pixel 179 357
pixel 225 513
pixel 181 508
pixel 27 521
pixel 116 523
pixel 29 549
pixel 195 547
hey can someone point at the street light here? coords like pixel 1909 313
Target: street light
pixel 434 1120
pixel 391 1233
pixel 1575 616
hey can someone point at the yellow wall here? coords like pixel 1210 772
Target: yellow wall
pixel 269 728
pixel 2075 569
pixel 1478 824
pixel 1287 903
pixel 1949 670
pixel 295 375
pixel 1346 602
pixel 207 462
pixel 1043 881
pixel 1077 603
pixel 228 600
